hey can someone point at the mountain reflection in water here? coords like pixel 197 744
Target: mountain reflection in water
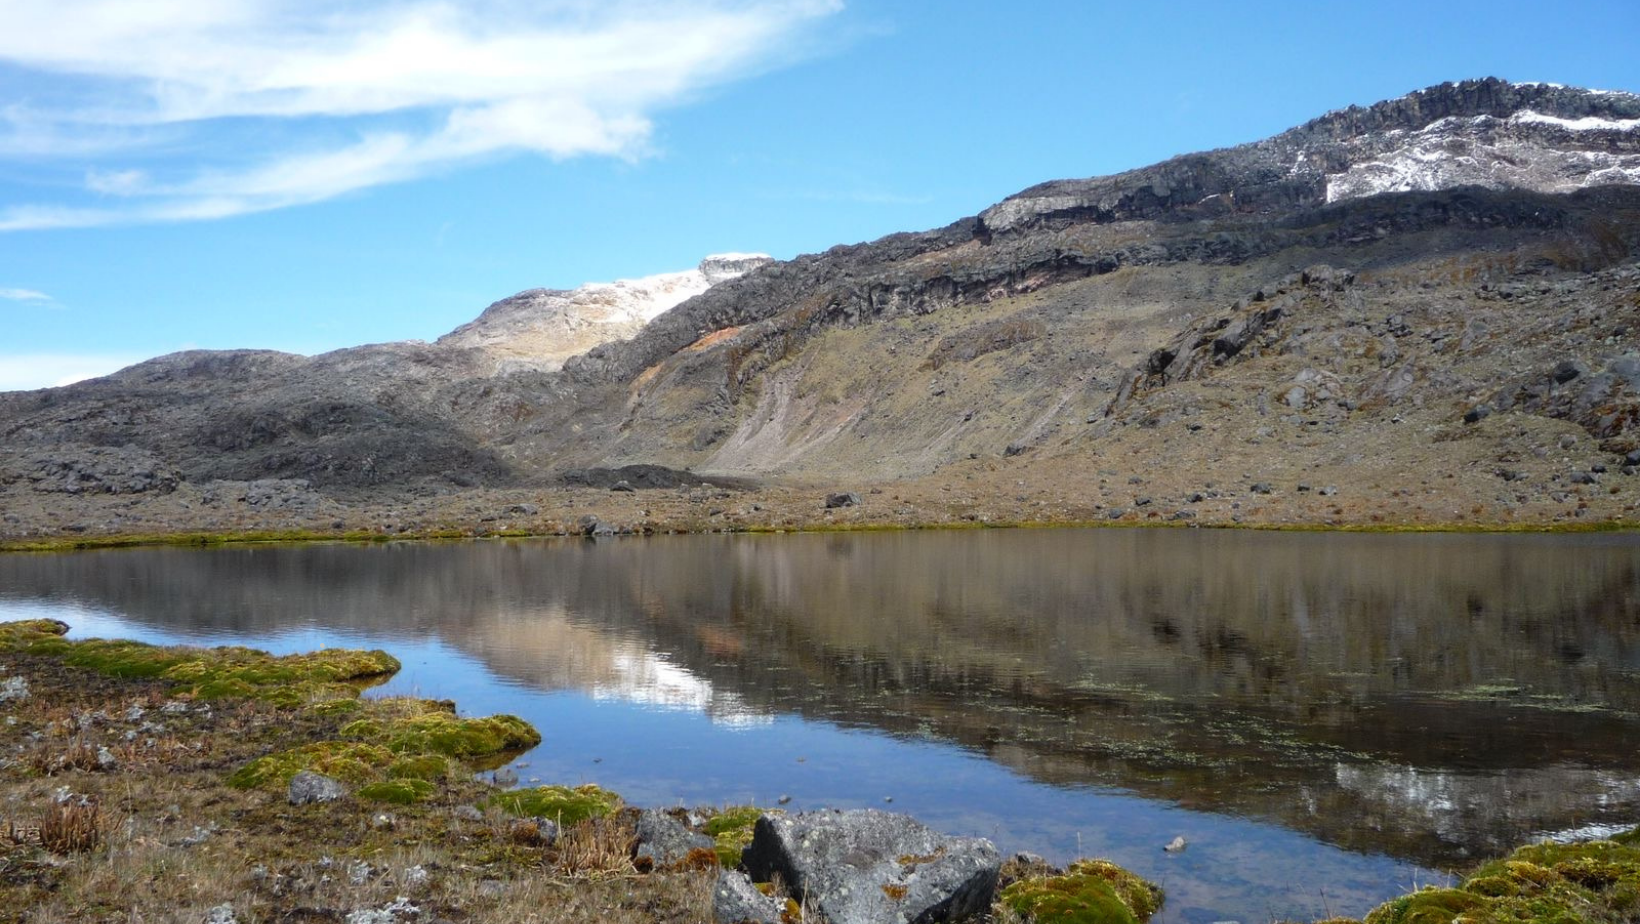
pixel 1433 698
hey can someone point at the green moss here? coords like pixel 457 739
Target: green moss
pixel 344 760
pixel 732 830
pixel 398 792
pixel 425 767
pixel 1597 882
pixel 431 729
pixel 1089 892
pixel 560 803
pixel 209 673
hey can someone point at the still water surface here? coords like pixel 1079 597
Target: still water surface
pixel 1327 719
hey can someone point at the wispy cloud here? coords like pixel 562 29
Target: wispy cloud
pixel 164 96
pixel 26 371
pixel 23 295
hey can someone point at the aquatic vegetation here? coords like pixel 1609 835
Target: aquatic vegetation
pixel 1088 892
pixel 1586 883
pixel 732 830
pixel 562 804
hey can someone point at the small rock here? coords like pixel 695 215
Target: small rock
pixel 846 499
pixel 664 840
pixel 736 901
pixel 1633 458
pixel 1328 491
pixel 307 786
pixel 358 872
pixel 522 510
pixel 1584 478
pixel 384 821
pixel 106 759
pixel 221 914
pixel 623 487
pixel 1175 845
pixel 414 876
pixel 1568 370
pixel 506 776
pixel 13 688
pixel 1141 501
pixel 1261 488
pixel 1477 413
pixel 468 813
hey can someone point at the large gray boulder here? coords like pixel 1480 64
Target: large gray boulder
pixel 665 841
pixel 865 866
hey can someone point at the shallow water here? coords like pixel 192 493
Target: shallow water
pixel 1327 719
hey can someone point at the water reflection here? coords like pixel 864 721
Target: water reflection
pixel 1429 697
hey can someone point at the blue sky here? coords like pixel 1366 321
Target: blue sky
pixel 310 175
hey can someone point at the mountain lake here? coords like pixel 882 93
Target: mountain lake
pixel 1326 719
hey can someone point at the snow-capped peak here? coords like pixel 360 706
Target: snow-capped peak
pixel 541 328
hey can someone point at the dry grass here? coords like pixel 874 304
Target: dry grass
pixel 160 837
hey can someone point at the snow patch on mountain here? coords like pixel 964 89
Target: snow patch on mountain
pixel 1527 150
pixel 541 328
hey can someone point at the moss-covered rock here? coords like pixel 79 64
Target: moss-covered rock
pixel 1089 892
pixel 559 803
pixel 731 829
pixel 1596 882
pixel 398 792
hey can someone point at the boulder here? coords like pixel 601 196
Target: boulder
pixel 845 499
pixel 665 841
pixel 863 865
pixel 735 901
pixel 307 786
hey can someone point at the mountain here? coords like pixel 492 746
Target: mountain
pixel 1418 311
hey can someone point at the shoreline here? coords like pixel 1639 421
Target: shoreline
pixel 209 539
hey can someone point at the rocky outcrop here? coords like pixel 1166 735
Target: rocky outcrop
pixel 90 470
pixel 864 866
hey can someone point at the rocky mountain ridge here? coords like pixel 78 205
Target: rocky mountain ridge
pixel 1469 240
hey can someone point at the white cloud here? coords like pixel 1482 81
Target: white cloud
pixel 345 96
pixel 26 371
pixel 24 295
